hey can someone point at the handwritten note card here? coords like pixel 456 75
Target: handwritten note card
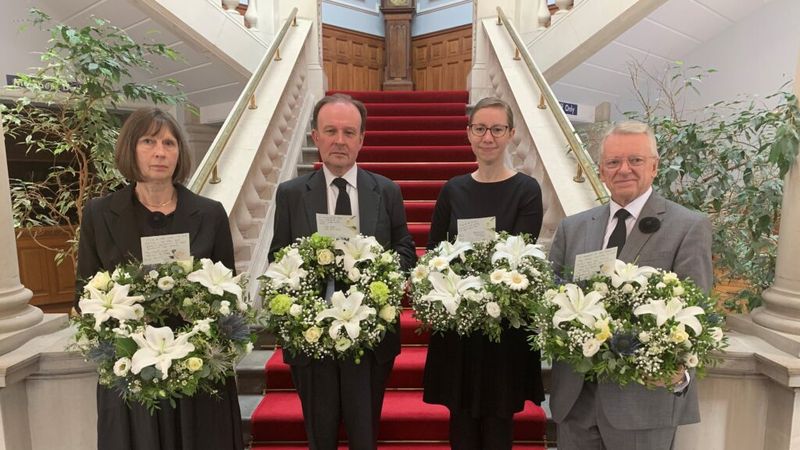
pixel 165 248
pixel 589 264
pixel 476 230
pixel 337 226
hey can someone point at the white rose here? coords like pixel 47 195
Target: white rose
pixel 644 336
pixel 354 274
pixel 670 277
pixel 224 307
pixel 716 333
pixel 493 309
pixel 590 347
pixel 677 291
pixel 203 325
pixel 388 313
pixel 438 264
pixel 138 310
pixel 600 287
pixel 342 344
pixel 186 264
pixel 325 257
pixel 122 367
pixel 498 276
pixel 691 360
pixel 387 258
pixel 627 288
pixel 101 281
pixel 152 274
pixel 394 275
pixel 312 334
pixel 194 364
pixel 166 283
pixel 419 273
pixel 295 310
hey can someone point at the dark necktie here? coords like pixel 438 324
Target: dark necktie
pixel 617 238
pixel 342 200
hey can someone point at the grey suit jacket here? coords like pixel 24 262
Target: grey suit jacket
pixel 381 214
pixel 683 245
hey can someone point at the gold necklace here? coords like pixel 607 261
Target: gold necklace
pixel 160 205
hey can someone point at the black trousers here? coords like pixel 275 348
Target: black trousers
pixel 333 391
pixel 480 433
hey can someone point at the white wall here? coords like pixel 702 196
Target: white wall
pixel 756 56
pixel 365 16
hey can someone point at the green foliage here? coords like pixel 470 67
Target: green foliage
pixel 728 160
pixel 65 111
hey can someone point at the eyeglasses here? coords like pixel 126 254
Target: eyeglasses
pixel 633 161
pixel 497 130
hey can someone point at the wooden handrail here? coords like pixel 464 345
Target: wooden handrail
pixel 585 164
pixel 245 100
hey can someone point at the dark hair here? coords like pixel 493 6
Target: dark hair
pixel 493 102
pixel 149 122
pixel 340 98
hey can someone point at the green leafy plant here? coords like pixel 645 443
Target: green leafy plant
pixel 728 160
pixel 68 109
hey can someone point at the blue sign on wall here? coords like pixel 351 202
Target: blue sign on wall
pixel 570 109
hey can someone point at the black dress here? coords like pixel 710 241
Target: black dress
pixel 203 422
pixel 471 373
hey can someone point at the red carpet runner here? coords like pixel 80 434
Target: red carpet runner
pixel 419 140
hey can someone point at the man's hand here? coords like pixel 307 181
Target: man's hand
pixel 677 380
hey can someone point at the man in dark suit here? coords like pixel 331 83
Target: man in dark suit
pixel 647 230
pixel 328 387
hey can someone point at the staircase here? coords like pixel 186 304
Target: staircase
pixel 417 139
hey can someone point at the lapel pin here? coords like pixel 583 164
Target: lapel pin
pixel 649 225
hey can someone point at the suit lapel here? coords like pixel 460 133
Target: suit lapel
pixel 654 207
pixel 121 223
pixel 593 240
pixel 315 199
pixel 369 200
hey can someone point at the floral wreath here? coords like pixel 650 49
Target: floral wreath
pixel 629 324
pixel 354 320
pixel 480 287
pixel 164 331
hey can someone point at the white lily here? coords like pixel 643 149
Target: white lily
pixel 449 289
pixel 357 248
pixel 158 347
pixel 451 250
pixel 217 278
pixel 622 272
pixel 288 270
pixel 514 249
pixel 347 312
pixel 574 304
pixel 115 303
pixel 672 309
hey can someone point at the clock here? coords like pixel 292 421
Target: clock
pixel 393 4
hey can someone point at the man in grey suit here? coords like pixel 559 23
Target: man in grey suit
pixel 328 387
pixel 647 230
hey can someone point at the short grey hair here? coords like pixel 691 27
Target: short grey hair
pixel 630 127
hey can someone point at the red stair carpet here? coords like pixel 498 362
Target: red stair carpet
pixel 419 140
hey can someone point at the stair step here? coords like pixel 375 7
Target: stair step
pixel 250 372
pixel 417 171
pixel 416 138
pixel 415 109
pixel 419 211
pixel 408 96
pixel 417 123
pixel 404 417
pixel 420 189
pixel 419 233
pixel 415 153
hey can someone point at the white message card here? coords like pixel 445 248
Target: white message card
pixel 337 226
pixel 589 264
pixel 165 248
pixel 476 230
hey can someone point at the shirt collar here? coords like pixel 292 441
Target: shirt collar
pixel 350 176
pixel 634 208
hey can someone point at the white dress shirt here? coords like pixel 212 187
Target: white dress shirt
pixel 634 208
pixel 351 176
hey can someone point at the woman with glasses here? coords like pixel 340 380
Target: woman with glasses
pixel 483 383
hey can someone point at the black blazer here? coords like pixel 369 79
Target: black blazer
pixel 381 214
pixel 109 235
